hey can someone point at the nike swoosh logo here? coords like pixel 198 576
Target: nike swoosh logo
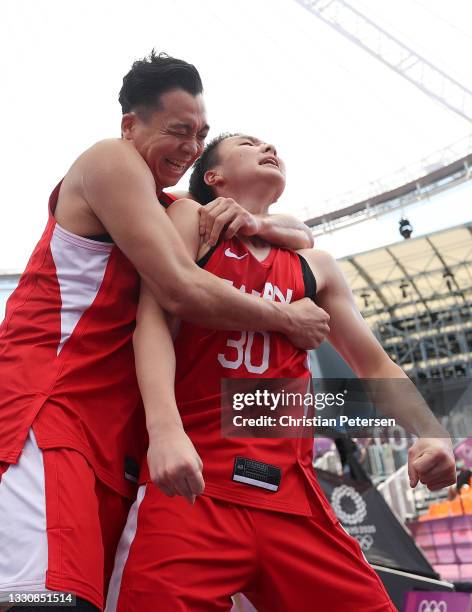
pixel 230 253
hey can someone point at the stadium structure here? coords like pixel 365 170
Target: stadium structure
pixel 416 295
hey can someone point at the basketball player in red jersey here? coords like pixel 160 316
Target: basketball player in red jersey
pixel 273 538
pixel 71 429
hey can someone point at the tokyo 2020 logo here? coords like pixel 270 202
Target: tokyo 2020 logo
pixel 359 512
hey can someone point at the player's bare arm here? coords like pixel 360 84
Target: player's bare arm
pixel 285 231
pixel 279 230
pixel 431 459
pixel 225 215
pixel 112 180
pixel 174 464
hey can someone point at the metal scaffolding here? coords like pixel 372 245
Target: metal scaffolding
pixel 368 35
pixel 417 298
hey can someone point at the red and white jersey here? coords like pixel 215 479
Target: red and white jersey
pixel 66 355
pixel 204 357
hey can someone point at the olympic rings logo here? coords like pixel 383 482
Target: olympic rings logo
pixel 432 606
pixel 360 507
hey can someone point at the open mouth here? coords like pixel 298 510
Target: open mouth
pixel 177 165
pixel 271 161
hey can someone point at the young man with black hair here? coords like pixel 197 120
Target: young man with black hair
pixel 271 536
pixel 71 428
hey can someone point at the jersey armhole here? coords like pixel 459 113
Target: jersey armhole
pixel 309 279
pixel 202 262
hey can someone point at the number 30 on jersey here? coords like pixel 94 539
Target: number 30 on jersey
pixel 239 352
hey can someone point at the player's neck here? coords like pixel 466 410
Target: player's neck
pixel 256 201
pixel 257 246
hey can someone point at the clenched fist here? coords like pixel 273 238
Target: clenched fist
pixel 431 461
pixel 174 464
pixel 308 325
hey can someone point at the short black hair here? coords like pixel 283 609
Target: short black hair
pixel 153 76
pixel 202 192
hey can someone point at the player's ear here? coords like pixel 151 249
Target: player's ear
pixel 128 122
pixel 213 178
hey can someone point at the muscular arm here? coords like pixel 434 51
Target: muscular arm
pixel 153 346
pixel 174 464
pixel 279 230
pixel 352 338
pixel 119 188
pixel 285 231
pixel 349 333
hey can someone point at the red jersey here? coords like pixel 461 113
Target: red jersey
pixel 66 355
pixel 204 357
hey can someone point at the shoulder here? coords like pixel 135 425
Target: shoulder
pixel 113 156
pixel 111 147
pixel 109 169
pixel 185 216
pixel 317 257
pixel 184 204
pixel 183 208
pixel 180 195
pixel 325 268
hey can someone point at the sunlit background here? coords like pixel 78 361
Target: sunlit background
pixel 340 117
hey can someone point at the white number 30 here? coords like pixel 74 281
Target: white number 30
pixel 243 347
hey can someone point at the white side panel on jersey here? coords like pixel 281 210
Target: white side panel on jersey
pixel 80 268
pixel 308 362
pixel 24 548
pixel 122 552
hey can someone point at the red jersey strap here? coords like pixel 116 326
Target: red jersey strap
pixel 166 199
